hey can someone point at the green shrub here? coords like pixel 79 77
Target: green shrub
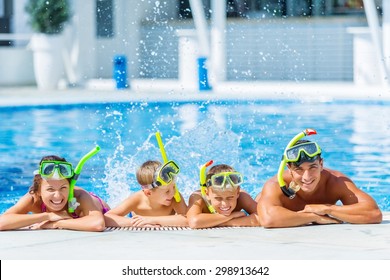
pixel 48 16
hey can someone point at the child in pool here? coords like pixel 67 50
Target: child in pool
pixel 47 201
pixel 154 205
pixel 222 201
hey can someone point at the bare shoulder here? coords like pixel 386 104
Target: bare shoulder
pixel 134 198
pixel 83 196
pixel 271 186
pixel 336 179
pixel 244 195
pixel 335 173
pixel 246 202
pixel 341 185
pixel 196 204
pixel 271 194
pixel 24 205
pixel 196 195
pixel 80 192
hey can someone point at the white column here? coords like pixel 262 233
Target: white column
pixel 188 54
pixel 365 67
pixel 373 24
pixel 386 32
pixel 201 27
pixel 218 41
pixel 83 34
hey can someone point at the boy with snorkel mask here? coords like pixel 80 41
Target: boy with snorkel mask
pixel 155 205
pixel 312 191
pixel 220 200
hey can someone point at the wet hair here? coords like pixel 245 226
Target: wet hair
pixel 33 189
pixel 145 173
pixel 218 169
pixel 302 156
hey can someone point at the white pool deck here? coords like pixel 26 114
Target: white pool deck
pixel 171 90
pixel 329 242
pixel 319 242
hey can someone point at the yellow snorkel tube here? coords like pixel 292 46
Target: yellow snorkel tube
pixel 203 185
pixel 165 159
pixel 289 192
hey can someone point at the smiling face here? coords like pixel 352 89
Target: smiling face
pixel 224 201
pixel 307 175
pixel 54 194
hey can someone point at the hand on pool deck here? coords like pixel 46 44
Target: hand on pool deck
pixel 319 189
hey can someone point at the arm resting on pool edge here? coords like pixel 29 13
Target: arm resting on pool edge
pixel 18 216
pixel 200 217
pixel 362 212
pixel 279 217
pixel 94 222
pixel 247 221
pixel 358 207
pixel 272 213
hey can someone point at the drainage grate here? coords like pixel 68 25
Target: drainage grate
pixel 160 228
pixel 146 229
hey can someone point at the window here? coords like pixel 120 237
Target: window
pixel 5 20
pixel 348 6
pixel 280 8
pixel 1 8
pixel 104 19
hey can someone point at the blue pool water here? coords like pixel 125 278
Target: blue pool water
pixel 251 136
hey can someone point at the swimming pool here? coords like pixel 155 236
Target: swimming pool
pixel 249 135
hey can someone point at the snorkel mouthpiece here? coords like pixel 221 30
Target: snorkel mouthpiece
pixel 288 191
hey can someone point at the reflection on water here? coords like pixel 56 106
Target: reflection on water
pixel 247 135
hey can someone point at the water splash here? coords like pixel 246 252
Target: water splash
pixel 190 150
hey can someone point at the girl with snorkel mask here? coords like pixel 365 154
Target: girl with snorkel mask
pixel 54 202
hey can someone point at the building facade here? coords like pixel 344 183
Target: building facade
pixel 300 40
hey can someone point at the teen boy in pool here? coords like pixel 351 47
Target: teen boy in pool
pixel 154 205
pixel 221 200
pixel 47 201
pixel 313 193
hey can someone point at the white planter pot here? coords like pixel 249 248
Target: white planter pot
pixel 48 60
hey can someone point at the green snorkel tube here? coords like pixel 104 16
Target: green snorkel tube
pixel 165 159
pixel 290 192
pixel 203 185
pixel 72 202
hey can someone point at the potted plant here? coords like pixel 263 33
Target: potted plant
pixel 47 19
